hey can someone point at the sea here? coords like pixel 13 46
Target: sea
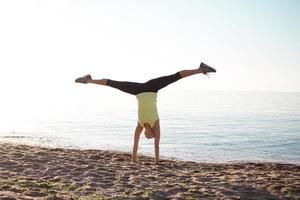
pixel 196 125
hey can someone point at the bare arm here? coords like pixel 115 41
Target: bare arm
pixel 156 141
pixel 137 134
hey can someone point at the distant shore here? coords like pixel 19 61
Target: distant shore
pixel 29 172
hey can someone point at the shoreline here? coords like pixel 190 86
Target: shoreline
pixel 162 157
pixel 34 172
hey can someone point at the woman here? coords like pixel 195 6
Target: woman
pixel 146 94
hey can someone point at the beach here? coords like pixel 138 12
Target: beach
pixel 32 172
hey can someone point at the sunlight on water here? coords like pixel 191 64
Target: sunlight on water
pixel 203 126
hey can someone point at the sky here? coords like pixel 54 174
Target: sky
pixel 46 44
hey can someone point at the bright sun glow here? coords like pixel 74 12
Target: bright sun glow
pixel 45 45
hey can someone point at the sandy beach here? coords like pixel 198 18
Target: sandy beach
pixel 28 172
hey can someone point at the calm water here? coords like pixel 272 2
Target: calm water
pixel 202 126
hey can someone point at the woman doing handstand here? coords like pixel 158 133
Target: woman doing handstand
pixel 146 94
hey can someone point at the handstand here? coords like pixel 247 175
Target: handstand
pixel 146 94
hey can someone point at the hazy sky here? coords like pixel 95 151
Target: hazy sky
pixel 45 45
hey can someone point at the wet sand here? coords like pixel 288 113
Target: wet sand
pixel 28 172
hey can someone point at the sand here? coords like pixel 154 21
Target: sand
pixel 28 172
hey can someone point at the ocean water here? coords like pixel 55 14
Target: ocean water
pixel 204 126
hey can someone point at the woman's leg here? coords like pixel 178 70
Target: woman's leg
pixel 99 81
pixel 158 83
pixel 203 68
pixel 128 87
pixel 186 73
